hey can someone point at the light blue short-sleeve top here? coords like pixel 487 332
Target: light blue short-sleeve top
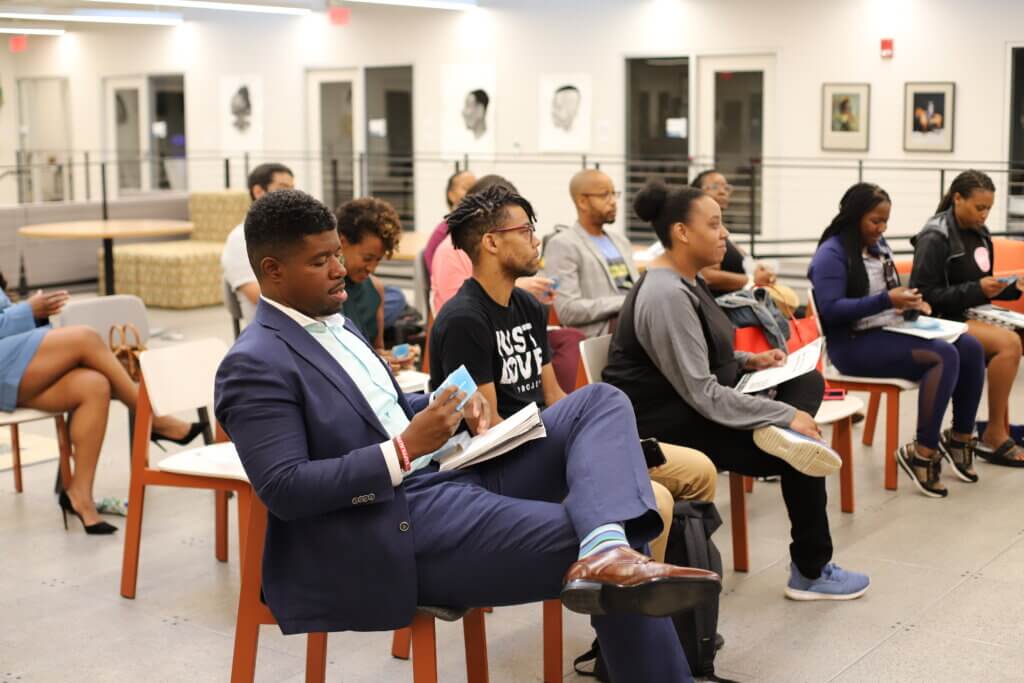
pixel 19 340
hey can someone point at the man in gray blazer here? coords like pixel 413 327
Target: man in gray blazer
pixel 594 267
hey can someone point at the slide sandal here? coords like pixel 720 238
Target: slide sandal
pixel 999 456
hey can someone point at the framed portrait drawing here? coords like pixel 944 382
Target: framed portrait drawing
pixel 241 113
pixel 929 117
pixel 468 101
pixel 564 122
pixel 845 116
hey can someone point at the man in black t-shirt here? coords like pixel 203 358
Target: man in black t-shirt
pixel 500 334
pixel 497 331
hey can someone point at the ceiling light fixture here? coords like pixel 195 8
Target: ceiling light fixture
pixel 220 6
pixel 27 31
pixel 463 5
pixel 137 19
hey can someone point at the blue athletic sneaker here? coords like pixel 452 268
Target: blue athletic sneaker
pixel 834 583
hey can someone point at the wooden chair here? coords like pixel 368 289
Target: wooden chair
pixel 21 416
pixel 253 613
pixel 552 636
pixel 174 378
pixel 890 387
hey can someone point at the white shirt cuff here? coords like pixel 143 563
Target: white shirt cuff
pixel 387 449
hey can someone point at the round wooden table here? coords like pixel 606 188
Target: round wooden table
pixel 108 231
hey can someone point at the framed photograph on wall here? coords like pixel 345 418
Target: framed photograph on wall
pixel 845 116
pixel 929 117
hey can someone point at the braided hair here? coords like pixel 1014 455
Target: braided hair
pixel 480 212
pixel 963 185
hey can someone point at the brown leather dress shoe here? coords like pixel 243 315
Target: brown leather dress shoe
pixel 623 580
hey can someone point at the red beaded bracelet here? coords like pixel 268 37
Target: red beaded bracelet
pixel 404 452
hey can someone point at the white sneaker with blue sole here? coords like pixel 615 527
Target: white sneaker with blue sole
pixel 804 454
pixel 835 583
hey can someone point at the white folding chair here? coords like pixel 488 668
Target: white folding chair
pixel 103 312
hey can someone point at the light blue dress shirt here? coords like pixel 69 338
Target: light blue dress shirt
pixel 368 373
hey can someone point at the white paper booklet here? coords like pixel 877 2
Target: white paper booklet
pixel 411 381
pixel 930 328
pixel 525 425
pixel 997 315
pixel 800 362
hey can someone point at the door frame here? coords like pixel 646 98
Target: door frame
pixel 703 129
pixel 109 85
pixel 1007 113
pixel 313 78
pixel 37 170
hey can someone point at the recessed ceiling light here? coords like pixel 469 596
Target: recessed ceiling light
pixel 32 31
pixel 224 6
pixel 463 5
pixel 136 19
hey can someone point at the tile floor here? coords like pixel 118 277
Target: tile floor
pixel 946 602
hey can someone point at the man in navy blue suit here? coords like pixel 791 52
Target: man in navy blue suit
pixel 363 527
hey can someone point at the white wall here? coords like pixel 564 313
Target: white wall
pixel 811 42
pixel 8 127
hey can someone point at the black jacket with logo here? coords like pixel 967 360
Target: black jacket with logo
pixel 949 277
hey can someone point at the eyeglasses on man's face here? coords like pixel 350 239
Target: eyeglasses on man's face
pixel 604 196
pixel 530 227
pixel 719 187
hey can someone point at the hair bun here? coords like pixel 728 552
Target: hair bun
pixel 649 201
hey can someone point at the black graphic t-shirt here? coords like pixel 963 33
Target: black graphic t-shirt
pixel 506 345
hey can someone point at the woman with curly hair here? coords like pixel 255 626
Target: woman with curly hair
pixel 369 229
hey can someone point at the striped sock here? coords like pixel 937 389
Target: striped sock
pixel 604 537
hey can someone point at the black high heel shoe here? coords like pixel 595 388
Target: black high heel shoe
pixel 195 430
pixel 99 528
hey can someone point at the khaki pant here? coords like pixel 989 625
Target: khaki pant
pixel 688 474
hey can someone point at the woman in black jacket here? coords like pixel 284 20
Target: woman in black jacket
pixel 953 259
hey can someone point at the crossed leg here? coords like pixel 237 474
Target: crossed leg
pixel 74 371
pixel 86 394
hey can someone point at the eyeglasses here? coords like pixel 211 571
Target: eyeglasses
pixel 525 226
pixel 715 187
pixel 603 195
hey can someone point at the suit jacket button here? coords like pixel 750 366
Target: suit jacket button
pixel 370 497
pixel 355 501
pixel 403 527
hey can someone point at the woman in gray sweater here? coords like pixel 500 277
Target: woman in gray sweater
pixel 673 355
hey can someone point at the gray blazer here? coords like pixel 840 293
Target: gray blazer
pixel 587 297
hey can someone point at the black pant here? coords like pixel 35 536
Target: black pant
pixel 734 450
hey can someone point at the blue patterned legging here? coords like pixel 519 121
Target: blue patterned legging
pixel 945 371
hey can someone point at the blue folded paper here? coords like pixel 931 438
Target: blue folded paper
pixel 461 378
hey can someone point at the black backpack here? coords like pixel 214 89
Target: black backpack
pixel 689 545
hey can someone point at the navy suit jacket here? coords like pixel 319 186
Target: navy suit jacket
pixel 338 555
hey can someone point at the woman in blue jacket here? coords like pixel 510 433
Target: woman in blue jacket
pixel 858 292
pixel 69 369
